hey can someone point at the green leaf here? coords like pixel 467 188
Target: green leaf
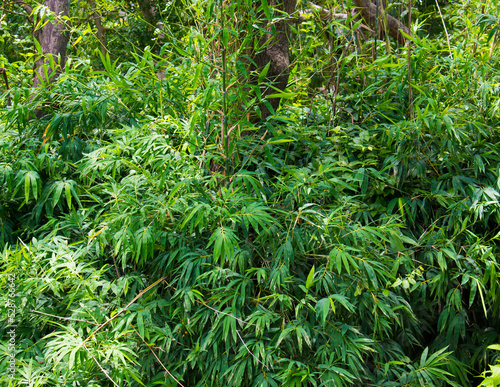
pixel 264 71
pixel 59 185
pixel 67 190
pixel 310 278
pixel 225 244
pixel 322 309
pixel 140 324
pixel 423 357
pixel 343 301
pixel 282 95
pixel 27 183
pixel 265 8
pixel 31 180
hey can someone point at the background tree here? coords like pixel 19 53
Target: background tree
pixel 272 54
pixel 273 44
pixel 51 31
pixel 100 33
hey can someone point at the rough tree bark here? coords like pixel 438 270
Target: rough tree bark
pixel 274 50
pixel 53 39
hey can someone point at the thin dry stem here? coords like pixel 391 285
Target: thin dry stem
pixel 154 354
pixel 102 369
pixel 65 318
pixel 215 310
pixel 248 350
pixel 445 30
pixel 123 310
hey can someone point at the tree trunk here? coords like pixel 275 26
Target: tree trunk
pixel 53 39
pixel 3 71
pixel 274 51
pixel 149 12
pixel 100 29
pixel 369 14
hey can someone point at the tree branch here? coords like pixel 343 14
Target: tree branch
pixel 3 71
pixel 323 13
pixel 28 8
pixel 368 12
pixel 101 35
pixel 394 26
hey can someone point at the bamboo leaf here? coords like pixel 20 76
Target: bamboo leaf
pixel 310 278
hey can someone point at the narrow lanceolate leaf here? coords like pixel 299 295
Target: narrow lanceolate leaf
pixel 67 190
pixel 265 8
pixel 58 187
pixel 344 301
pixel 27 183
pixel 310 278
pixel 140 323
pixel 322 309
pixel 31 183
pixel 225 243
pixel 264 71
pixel 282 95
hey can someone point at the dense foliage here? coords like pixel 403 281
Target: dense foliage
pixel 350 239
